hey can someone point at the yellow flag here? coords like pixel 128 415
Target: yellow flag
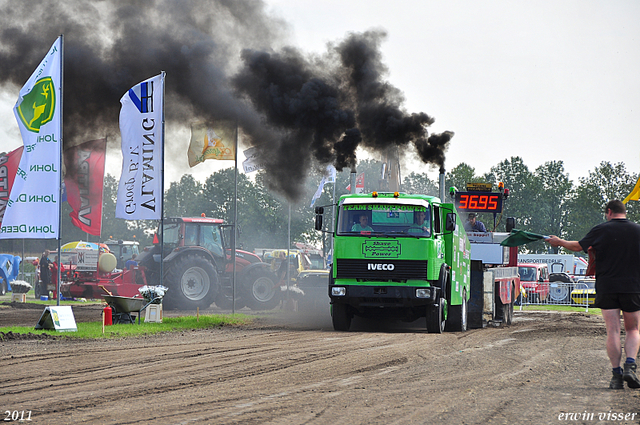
pixel 635 193
pixel 207 143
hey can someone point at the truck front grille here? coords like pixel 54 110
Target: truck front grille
pixel 395 270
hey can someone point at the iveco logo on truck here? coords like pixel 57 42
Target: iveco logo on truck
pixel 388 267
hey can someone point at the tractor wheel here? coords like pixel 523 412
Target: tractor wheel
pixel 192 281
pixel 340 317
pixel 457 320
pixel 560 293
pixel 260 289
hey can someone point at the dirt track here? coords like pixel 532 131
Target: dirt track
pixel 289 368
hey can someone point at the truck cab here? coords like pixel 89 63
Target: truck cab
pixel 534 278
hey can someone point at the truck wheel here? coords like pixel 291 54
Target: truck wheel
pixel 260 290
pixel 435 317
pixel 192 283
pixel 507 313
pixel 457 320
pixel 507 310
pixel 503 312
pixel 340 317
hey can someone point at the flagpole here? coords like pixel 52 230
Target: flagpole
pixel 235 223
pixel 59 265
pixel 162 189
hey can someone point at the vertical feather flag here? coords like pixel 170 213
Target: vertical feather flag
pixel 84 183
pixel 33 208
pixel 142 129
pixel 8 166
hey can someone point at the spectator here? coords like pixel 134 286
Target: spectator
pixel 282 270
pixel 131 262
pixel 474 225
pixel 45 272
pixel 54 277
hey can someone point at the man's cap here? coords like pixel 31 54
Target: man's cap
pixel 473 215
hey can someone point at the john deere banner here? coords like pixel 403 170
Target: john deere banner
pixel 9 163
pixel 33 208
pixel 84 179
pixel 207 143
pixel 140 189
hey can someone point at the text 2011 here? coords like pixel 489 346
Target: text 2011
pixel 17 415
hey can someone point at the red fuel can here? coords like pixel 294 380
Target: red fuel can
pixel 107 319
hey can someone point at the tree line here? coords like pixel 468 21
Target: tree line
pixel 544 200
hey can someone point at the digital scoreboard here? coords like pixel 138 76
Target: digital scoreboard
pixel 479 202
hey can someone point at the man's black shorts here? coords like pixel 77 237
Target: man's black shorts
pixel 625 302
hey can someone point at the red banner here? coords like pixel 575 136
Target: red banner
pixel 83 180
pixel 9 164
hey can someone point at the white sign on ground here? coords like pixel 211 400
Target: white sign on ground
pixel 59 318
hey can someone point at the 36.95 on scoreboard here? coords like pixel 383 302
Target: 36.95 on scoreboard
pixel 479 201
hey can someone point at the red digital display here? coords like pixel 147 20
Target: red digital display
pixel 479 202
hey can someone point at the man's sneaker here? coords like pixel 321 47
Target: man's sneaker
pixel 630 376
pixel 617 383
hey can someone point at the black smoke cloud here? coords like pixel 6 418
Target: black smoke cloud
pixel 224 63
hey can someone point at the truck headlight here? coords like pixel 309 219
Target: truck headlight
pixel 338 291
pixel 423 293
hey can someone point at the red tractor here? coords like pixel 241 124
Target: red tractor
pixel 198 269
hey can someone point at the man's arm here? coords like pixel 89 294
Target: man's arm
pixel 570 245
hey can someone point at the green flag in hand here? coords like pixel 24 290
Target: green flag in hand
pixel 521 237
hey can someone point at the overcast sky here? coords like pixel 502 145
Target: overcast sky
pixel 544 80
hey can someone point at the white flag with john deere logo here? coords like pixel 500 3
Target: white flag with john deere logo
pixel 142 130
pixel 33 208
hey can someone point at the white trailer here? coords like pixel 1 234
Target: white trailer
pixel 558 263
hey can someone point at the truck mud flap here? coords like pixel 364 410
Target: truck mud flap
pixel 476 299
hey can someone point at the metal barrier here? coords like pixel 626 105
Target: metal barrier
pixel 576 294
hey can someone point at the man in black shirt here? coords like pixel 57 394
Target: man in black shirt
pixel 45 272
pixel 617 251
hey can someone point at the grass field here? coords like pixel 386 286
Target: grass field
pixel 95 330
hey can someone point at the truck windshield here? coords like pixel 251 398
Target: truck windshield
pixel 527 273
pixel 385 219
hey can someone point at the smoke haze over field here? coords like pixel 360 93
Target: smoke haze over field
pixel 224 62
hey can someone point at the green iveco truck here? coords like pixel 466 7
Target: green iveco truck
pixel 399 256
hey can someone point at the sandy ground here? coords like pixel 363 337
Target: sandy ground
pixel 292 368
